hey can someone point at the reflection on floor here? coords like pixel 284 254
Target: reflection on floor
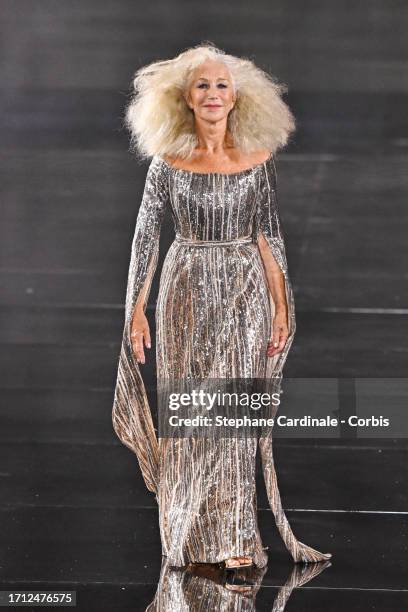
pixel 217 589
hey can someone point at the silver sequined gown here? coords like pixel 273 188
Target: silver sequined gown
pixel 213 319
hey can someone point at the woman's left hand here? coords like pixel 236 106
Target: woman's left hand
pixel 280 332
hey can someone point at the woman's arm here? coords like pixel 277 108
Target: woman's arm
pixel 276 283
pixel 144 256
pixel 269 237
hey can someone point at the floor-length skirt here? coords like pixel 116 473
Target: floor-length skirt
pixel 213 318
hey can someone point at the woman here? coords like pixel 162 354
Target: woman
pixel 211 123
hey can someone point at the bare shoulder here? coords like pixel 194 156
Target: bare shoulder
pixel 173 160
pixel 253 158
pixel 260 156
pixel 167 158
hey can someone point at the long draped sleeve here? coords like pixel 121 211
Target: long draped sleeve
pixel 267 221
pixel 131 414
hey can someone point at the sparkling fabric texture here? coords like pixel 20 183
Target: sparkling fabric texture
pixel 213 320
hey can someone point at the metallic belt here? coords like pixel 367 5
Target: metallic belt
pixel 233 242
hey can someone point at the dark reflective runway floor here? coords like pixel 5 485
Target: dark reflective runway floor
pixel 75 513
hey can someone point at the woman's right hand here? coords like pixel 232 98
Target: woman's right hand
pixel 140 333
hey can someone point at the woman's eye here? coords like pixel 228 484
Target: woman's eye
pixel 201 85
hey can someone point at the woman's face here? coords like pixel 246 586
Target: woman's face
pixel 211 95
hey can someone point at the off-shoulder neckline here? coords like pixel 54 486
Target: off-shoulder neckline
pixel 192 172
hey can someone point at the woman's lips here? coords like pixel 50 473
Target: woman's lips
pixel 212 105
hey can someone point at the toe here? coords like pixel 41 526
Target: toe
pixel 232 562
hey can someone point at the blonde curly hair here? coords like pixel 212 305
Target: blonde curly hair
pixel 161 123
